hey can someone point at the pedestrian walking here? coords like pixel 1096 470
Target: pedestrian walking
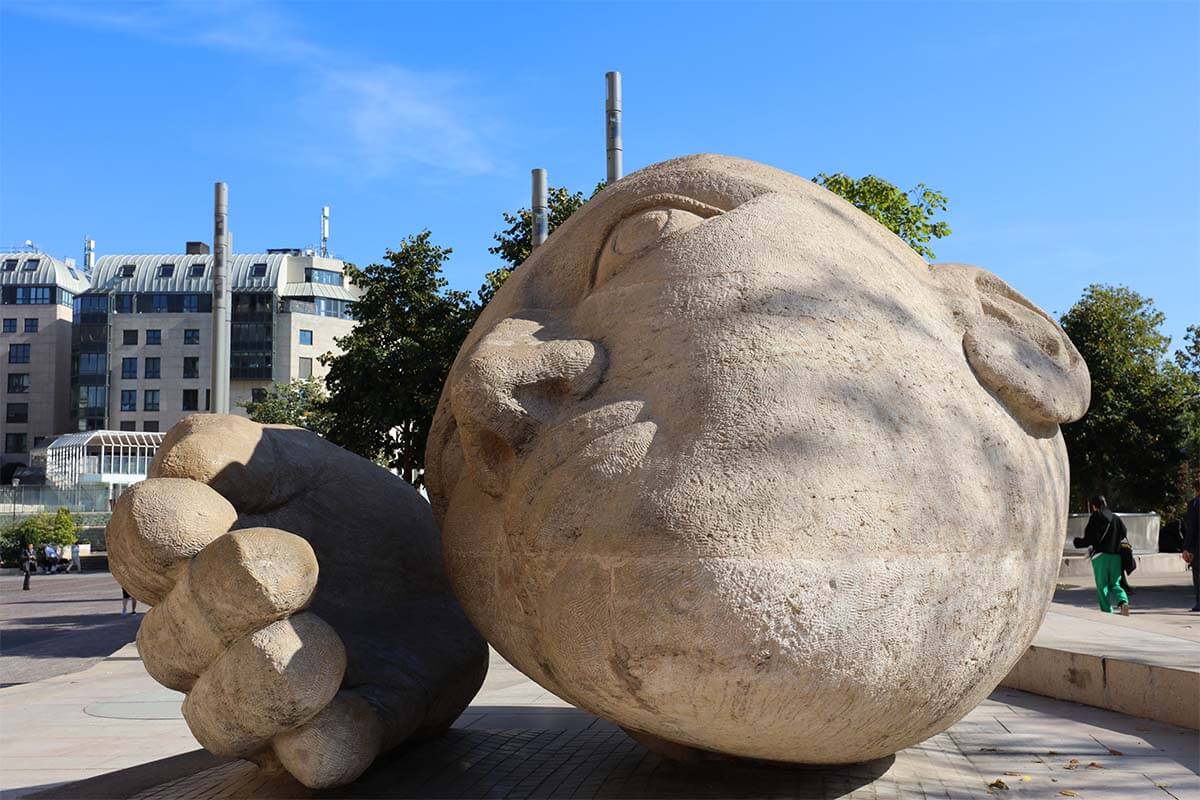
pixel 1103 536
pixel 75 565
pixel 126 599
pixel 28 564
pixel 1191 539
pixel 51 558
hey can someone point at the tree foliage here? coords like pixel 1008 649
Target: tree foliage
pixel 515 242
pixel 1132 445
pixel 909 215
pixel 385 384
pixel 41 529
pixel 300 402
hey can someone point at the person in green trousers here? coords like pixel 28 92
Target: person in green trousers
pixel 1103 536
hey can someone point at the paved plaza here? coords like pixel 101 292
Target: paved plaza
pixel 517 740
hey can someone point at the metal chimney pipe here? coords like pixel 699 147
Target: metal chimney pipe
pixel 221 298
pixel 89 254
pixel 541 212
pixel 612 126
pixel 324 231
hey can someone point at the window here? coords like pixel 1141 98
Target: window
pixel 32 264
pixel 10 325
pixel 258 394
pixel 191 336
pixel 123 304
pixel 150 400
pixel 328 276
pixel 258 270
pixel 129 426
pixel 196 270
pixel 15 443
pixel 38 441
pixel 208 399
pixel 191 366
pixel 31 325
pixel 16 412
pixel 153 336
pixel 158 304
pixel 93 363
pixel 305 367
pixel 129 337
pixel 92 400
pixel 191 399
pixel 18 382
pixel 166 270
pixel 191 302
pixel 18 354
pixel 10 264
pixel 128 368
pixel 129 399
pixel 305 336
pixel 153 367
pixel 150 426
pixel 27 295
pixel 127 270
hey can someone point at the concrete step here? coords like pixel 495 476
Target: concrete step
pixel 1113 662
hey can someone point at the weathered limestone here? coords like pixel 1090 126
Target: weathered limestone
pixel 299 598
pixel 727 463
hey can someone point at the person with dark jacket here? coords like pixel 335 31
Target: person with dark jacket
pixel 1103 536
pixel 1191 538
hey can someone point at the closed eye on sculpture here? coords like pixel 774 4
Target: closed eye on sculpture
pixel 652 220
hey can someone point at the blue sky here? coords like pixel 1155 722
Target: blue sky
pixel 1066 135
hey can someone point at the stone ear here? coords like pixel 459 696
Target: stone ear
pixel 1016 349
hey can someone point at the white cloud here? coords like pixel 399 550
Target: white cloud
pixel 374 118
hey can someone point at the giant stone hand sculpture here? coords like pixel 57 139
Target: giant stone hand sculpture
pixel 727 463
pixel 321 630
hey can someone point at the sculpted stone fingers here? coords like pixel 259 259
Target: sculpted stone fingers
pixel 335 746
pixel 156 528
pixel 269 682
pixel 239 583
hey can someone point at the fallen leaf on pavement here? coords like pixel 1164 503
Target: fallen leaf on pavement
pixel 1069 793
pixel 1095 765
pixel 1074 762
pixel 997 784
pixel 1112 752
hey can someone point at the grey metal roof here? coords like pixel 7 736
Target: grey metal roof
pixel 46 272
pixel 107 437
pixel 147 273
pixel 317 290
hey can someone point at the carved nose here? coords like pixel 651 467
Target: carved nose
pixel 520 377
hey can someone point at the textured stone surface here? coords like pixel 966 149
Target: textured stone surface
pixel 726 463
pixel 299 598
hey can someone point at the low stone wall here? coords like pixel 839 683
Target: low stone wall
pixel 1142 529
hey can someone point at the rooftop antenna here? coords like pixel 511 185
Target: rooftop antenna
pixel 89 254
pixel 324 231
pixel 541 214
pixel 221 296
pixel 612 126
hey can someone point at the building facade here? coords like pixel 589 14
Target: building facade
pixel 142 344
pixel 37 296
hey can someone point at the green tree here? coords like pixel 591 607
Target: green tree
pixel 385 384
pixel 1131 446
pixel 515 242
pixel 300 402
pixel 909 215
pixel 40 529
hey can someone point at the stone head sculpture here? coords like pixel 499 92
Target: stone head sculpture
pixel 727 463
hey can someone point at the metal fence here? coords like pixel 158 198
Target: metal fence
pixel 21 501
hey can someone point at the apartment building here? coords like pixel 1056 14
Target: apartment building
pixel 142 345
pixel 37 293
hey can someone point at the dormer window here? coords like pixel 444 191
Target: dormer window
pixel 127 270
pixel 10 264
pixel 32 264
pixel 258 270
pixel 197 270
pixel 166 270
